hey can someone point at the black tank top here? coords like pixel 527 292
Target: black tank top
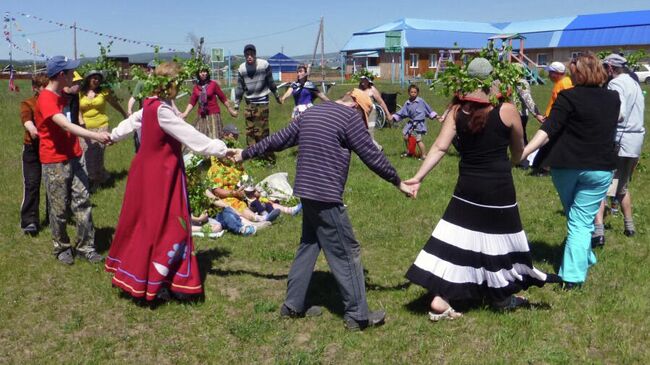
pixel 485 151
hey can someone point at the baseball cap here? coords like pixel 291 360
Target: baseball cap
pixel 556 67
pixel 231 128
pixel 479 68
pixel 250 47
pixel 363 100
pixel 615 60
pixel 57 64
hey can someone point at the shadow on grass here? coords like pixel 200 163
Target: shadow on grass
pixel 103 238
pixel 421 305
pixel 544 251
pixel 115 176
pixel 205 259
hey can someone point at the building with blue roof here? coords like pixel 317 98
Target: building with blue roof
pixel 422 42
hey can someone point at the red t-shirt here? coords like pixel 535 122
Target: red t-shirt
pixel 56 145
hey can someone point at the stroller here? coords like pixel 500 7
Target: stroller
pixel 391 103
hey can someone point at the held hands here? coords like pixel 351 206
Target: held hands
pixel 234 154
pixel 540 118
pixel 233 113
pixel 407 190
pixel 104 137
pixel 413 185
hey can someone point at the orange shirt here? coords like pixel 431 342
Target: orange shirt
pixel 562 84
pixel 27 111
pixel 56 144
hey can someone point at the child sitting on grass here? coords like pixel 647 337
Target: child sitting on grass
pixel 416 109
pixel 263 206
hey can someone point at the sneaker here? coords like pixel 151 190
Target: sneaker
pixel 375 319
pixel 597 241
pixel 273 215
pixel 313 311
pixel 93 257
pixel 248 230
pixel 198 234
pixel 629 232
pixel 31 229
pixel 66 257
pixel 405 154
pixel 295 210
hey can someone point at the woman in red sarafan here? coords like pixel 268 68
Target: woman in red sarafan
pixel 152 250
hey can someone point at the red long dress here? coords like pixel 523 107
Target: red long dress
pixel 152 247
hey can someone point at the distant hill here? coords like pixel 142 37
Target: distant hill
pixel 331 58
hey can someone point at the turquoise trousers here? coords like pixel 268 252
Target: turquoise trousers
pixel 581 192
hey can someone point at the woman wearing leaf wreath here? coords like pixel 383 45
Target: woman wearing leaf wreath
pixel 478 250
pixel 93 98
pixel 152 252
pixel 205 93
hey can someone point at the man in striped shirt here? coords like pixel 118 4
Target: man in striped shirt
pixel 326 135
pixel 255 83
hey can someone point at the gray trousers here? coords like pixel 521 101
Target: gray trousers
pixel 326 226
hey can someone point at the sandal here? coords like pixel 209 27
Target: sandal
pixel 449 314
pixel 512 302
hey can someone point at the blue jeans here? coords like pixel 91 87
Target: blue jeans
pixel 581 192
pixel 230 220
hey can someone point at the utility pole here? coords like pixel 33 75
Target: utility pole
pixel 322 50
pixel 74 33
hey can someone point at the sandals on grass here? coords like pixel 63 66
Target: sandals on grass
pixel 449 314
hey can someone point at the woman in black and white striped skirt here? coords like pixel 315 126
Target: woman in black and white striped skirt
pixel 478 249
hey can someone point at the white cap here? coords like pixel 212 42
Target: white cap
pixel 556 67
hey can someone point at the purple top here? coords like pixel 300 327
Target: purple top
pixel 326 134
pixel 302 94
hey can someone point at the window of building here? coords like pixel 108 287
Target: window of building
pixel 542 59
pixel 414 60
pixel 433 60
pixel 373 61
pixel 575 54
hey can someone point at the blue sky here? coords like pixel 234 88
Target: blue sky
pixel 271 25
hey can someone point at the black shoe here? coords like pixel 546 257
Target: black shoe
pixel 31 229
pixel 597 241
pixel 375 319
pixel 571 286
pixel 313 311
pixel 629 232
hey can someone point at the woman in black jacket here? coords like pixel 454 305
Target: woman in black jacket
pixel 582 125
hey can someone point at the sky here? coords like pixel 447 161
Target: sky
pixel 273 26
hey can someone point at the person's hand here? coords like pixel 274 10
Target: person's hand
pixel 278 99
pixel 540 118
pixel 239 194
pixel 104 137
pixel 233 113
pixel 129 113
pixel 235 154
pixel 407 190
pixel 33 132
pixel 414 185
pixel 183 115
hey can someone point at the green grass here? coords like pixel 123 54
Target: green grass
pixel 50 313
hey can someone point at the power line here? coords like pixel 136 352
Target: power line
pixel 264 35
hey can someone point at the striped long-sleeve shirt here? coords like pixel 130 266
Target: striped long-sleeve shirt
pixel 326 134
pixel 255 83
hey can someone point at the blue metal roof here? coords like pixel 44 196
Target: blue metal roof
pixel 282 62
pixel 593 30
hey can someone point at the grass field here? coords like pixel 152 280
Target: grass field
pixel 51 313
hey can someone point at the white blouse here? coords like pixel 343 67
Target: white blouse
pixel 176 127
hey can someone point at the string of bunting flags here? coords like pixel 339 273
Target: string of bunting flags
pixel 101 34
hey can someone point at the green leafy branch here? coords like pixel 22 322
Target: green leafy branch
pixel 455 80
pixel 108 67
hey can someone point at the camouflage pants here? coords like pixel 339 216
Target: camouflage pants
pixel 210 125
pixel 94 157
pixel 257 126
pixel 66 184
